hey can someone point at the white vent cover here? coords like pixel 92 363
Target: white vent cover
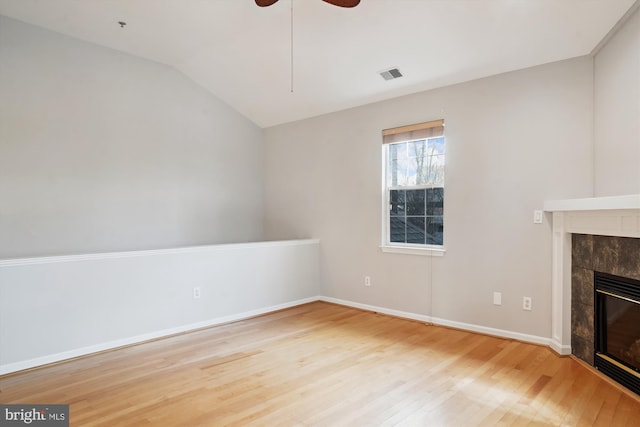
pixel 390 74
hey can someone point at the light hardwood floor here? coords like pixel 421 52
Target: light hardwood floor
pixel 326 365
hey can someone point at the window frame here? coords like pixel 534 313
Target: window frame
pixel 399 247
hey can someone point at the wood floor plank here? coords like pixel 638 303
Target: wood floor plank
pixel 322 364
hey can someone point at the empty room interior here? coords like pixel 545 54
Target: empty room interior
pixel 320 212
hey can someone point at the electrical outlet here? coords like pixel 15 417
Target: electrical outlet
pixel 196 293
pixel 497 298
pixel 367 280
pixel 526 303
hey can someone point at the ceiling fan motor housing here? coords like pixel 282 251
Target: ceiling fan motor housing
pixel 340 3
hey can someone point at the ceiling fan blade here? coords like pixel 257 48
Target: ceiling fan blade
pixel 265 3
pixel 343 3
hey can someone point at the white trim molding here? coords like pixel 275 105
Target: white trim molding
pixel 425 251
pixel 377 309
pixel 139 339
pixel 629 201
pixel 134 340
pixel 485 330
pixel 11 262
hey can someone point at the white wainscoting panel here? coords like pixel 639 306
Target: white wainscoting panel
pixel 55 308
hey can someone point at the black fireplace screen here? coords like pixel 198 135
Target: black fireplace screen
pixel 617 328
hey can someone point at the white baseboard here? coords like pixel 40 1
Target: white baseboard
pixel 58 357
pixel 383 310
pixel 563 350
pixel 485 330
pixel 449 323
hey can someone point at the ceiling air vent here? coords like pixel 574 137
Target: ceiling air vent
pixel 391 74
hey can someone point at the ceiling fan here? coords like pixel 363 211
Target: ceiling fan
pixel 341 3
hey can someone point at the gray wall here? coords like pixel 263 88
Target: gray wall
pixel 617 112
pixel 103 151
pixel 513 141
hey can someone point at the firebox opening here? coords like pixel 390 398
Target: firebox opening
pixel 617 328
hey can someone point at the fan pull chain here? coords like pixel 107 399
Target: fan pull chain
pixel 291 46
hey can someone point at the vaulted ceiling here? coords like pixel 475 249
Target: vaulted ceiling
pixel 242 53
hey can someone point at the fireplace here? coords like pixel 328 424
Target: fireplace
pixel 598 234
pixel 617 328
pixel 605 305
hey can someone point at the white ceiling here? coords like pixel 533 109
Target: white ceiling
pixel 241 53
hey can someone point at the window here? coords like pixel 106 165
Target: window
pixel 414 158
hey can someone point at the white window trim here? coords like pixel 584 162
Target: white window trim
pixel 424 251
pixel 400 248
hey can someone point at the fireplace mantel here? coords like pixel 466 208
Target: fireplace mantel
pixel 606 216
pixel 630 201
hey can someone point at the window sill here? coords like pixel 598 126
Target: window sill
pixel 412 251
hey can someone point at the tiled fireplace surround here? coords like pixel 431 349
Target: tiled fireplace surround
pixel 606 254
pixel 594 234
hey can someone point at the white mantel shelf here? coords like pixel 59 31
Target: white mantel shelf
pixel 605 216
pixel 630 201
